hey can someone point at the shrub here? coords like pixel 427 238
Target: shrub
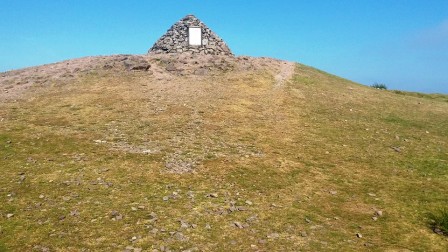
pixel 379 86
pixel 439 222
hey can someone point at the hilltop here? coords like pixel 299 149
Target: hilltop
pixel 214 153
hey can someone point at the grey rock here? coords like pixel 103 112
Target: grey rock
pixel 184 224
pixel 153 215
pixel 74 213
pixel 438 231
pixel 273 236
pixel 180 237
pixel 140 67
pixel 238 224
pixel 171 68
pixel 397 149
pixel 190 194
pixel 252 218
pixel 212 195
pixel 41 248
pixel 115 215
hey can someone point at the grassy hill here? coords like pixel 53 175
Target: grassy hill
pixel 216 154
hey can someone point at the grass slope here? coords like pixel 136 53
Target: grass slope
pixel 301 166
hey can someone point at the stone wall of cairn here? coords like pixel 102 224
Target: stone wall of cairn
pixel 175 40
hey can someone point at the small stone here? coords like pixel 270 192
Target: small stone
pixel 307 220
pixel 171 67
pixel 165 198
pixel 379 213
pixel 10 215
pixel 213 195
pixel 238 224
pixel 374 218
pixel 207 226
pixel 133 208
pixel 41 196
pixel 180 237
pixel 232 209
pixel 397 149
pixel 438 231
pixel 184 224
pixel 153 215
pixel 248 202
pixel 372 194
pixel 115 215
pixel 333 192
pixel 359 235
pixel 368 244
pixel 74 213
pixel 252 218
pixel 273 236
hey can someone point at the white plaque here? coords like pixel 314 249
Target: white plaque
pixel 194 36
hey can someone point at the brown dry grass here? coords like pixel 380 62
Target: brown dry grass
pixel 312 153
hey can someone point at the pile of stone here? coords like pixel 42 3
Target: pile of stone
pixel 175 40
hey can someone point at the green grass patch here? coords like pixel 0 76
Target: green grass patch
pixel 439 221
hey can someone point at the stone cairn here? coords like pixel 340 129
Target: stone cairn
pixel 175 40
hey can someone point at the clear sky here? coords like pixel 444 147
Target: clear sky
pixel 401 43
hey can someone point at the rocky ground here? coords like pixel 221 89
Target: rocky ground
pixel 14 83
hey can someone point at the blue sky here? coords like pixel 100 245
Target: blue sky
pixel 402 43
